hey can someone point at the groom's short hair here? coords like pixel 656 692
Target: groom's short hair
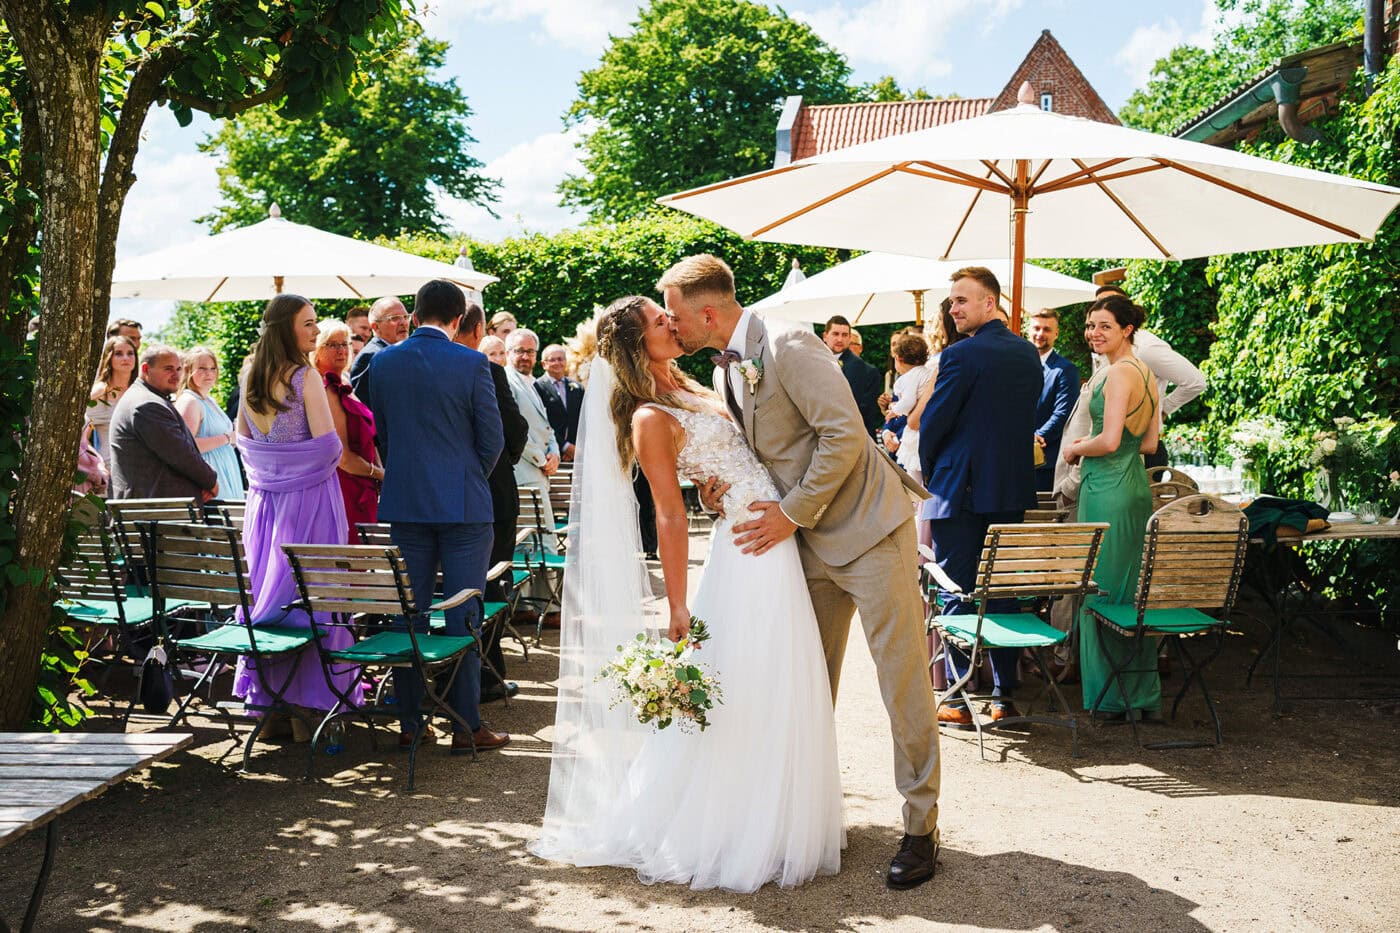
pixel 701 274
pixel 982 276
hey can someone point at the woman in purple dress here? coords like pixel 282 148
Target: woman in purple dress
pixel 360 471
pixel 290 451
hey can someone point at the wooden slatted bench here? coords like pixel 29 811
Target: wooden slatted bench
pixel 43 775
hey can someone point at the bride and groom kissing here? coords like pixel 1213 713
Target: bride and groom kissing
pixel 812 524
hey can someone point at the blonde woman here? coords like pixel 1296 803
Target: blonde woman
pixel 115 370
pixel 360 471
pixel 213 431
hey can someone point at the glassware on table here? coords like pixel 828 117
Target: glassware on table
pixel 1368 513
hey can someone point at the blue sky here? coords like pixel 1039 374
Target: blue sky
pixel 519 60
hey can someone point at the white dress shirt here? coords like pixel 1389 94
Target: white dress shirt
pixel 737 341
pixel 1170 368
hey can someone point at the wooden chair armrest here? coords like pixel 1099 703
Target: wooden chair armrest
pixel 940 577
pixel 456 600
pixel 523 535
pixel 498 571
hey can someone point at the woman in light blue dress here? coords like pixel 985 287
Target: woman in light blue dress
pixel 213 432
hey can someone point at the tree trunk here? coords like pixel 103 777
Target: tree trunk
pixel 66 97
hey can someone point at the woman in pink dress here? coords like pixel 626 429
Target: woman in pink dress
pixel 360 471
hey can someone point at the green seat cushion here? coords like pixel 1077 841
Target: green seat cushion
pixel 438 620
pixel 518 577
pixel 534 559
pixel 1165 621
pixel 233 639
pixel 397 646
pixel 1003 629
pixel 138 610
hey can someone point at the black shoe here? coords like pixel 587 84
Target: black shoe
pixel 498 692
pixel 914 863
pixel 651 555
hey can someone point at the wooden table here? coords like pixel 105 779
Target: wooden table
pixel 1276 583
pixel 43 775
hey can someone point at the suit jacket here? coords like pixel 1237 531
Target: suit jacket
pixel 539 441
pixel 435 406
pixel 977 433
pixel 1058 393
pixel 866 384
pixel 359 369
pixel 836 484
pixel 153 452
pixel 505 504
pixel 563 419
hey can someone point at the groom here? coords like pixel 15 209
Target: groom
pixel 852 506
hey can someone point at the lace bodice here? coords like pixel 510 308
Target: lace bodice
pixel 288 426
pixel 714 446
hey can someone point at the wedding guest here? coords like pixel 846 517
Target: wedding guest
pixel 975 452
pixel 357 343
pixel 115 371
pixel 126 327
pixel 1057 395
pixel 357 319
pixel 390 323
pixel 360 471
pixel 857 345
pixel 290 448
pixel 540 458
pixel 505 504
pixel 1113 488
pixel 562 397
pixel 501 324
pixel 1168 367
pixel 495 350
pixel 211 427
pixel 92 470
pixel 435 404
pixel 581 348
pixel 910 360
pixel 864 379
pixel 153 454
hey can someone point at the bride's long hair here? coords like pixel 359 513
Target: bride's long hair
pixel 622 342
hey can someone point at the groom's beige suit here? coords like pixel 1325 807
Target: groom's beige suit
pixel 857 537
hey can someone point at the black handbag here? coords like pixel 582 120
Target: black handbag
pixel 156 689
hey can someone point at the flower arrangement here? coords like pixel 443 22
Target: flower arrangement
pixel 1255 438
pixel 656 677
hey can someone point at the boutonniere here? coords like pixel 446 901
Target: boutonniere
pixel 752 371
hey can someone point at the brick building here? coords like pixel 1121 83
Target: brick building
pixel 805 131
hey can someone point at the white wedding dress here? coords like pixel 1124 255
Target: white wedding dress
pixel 757 796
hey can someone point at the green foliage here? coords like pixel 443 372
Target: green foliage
pixel 690 97
pixel 887 89
pixel 367 166
pixel 1252 35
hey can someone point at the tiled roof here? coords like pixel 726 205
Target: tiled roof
pixel 835 126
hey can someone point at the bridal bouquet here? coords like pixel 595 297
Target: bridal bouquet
pixel 656 677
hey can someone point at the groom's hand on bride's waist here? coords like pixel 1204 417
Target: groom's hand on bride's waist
pixel 769 526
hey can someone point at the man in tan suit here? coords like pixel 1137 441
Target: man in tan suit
pixel 852 506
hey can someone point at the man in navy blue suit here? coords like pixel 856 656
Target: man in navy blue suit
pixel 1057 395
pixel 435 406
pixel 975 447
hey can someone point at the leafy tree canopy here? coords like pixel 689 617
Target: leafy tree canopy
pixel 690 97
pixel 1250 36
pixel 887 89
pixel 369 165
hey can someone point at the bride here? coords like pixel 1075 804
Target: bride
pixel 757 796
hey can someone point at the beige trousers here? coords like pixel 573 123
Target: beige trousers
pixel 882 584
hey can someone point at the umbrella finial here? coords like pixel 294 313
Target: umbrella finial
pixel 1027 95
pixel 274 211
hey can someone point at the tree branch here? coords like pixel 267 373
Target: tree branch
pixel 223 108
pixel 19 239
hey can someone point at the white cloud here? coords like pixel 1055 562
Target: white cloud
pixel 175 183
pixel 530 174
pixel 577 24
pixel 1149 43
pixel 903 37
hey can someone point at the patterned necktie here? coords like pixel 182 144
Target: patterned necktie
pixel 723 361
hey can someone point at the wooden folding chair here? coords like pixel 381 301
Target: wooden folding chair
pixel 127 514
pixel 206 565
pixel 532 557
pixel 350 581
pixel 1039 562
pixel 1166 474
pixel 1166 492
pixel 1192 559
pixel 561 491
pixel 92 593
pixel 225 512
pixel 1043 516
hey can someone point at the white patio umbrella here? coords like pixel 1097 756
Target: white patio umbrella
pixel 1069 187
pixel 256 262
pixel 882 288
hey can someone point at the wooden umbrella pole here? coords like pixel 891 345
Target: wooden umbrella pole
pixel 918 294
pixel 277 281
pixel 1020 196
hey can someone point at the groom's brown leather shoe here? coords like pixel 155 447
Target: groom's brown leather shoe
pixel 914 863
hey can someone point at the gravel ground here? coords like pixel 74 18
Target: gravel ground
pixel 1291 825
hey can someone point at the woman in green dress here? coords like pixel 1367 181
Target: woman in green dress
pixel 1114 489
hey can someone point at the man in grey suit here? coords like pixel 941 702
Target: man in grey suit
pixel 153 452
pixel 851 507
pixel 540 458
